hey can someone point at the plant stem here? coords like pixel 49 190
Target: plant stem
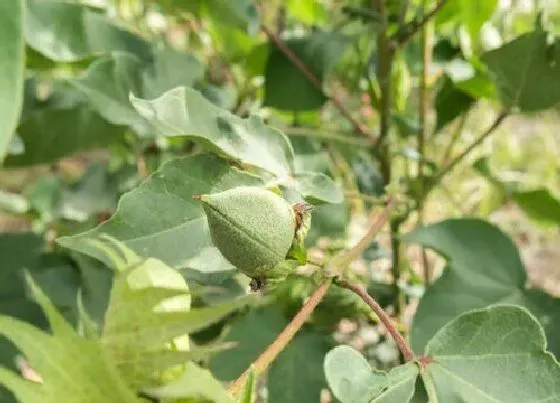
pixel 385 52
pixel 322 134
pixel 418 25
pixel 449 167
pixel 454 138
pixel 360 290
pixel 359 127
pixel 426 41
pixel 269 355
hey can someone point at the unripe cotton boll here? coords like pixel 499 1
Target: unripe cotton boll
pixel 252 227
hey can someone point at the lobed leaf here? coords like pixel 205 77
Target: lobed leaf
pixel 484 268
pixel 496 354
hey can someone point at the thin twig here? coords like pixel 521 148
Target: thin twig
pixel 426 39
pixel 359 127
pixel 322 134
pixel 418 25
pixel 360 290
pixel 497 122
pixel 454 138
pixel 268 356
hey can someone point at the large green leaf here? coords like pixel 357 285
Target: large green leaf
pixel 12 65
pixel 539 204
pixel 109 82
pixel 160 219
pixel 286 87
pixel 185 112
pixel 72 368
pixel 252 333
pixel 297 374
pixel 352 380
pixel 484 268
pixel 491 355
pixel 68 32
pixel 526 71
pixel 49 134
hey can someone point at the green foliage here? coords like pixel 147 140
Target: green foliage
pixel 476 276
pixel 11 70
pixel 163 236
pixel 524 70
pixel 126 357
pixel 124 122
pixel 286 87
pixel 469 359
pixel 67 32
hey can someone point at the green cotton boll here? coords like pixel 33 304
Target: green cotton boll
pixel 252 227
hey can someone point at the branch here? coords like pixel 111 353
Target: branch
pixel 416 26
pixel 269 355
pixel 426 41
pixel 326 135
pixel 360 290
pixel 296 61
pixel 497 122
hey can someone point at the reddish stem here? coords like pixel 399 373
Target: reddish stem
pixel 360 290
pixel 269 355
pixel 359 127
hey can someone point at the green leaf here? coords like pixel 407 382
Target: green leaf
pixel 249 395
pixel 475 13
pixel 451 103
pixel 195 382
pixel 352 380
pixel 252 333
pixel 491 355
pixel 484 268
pixel 286 87
pixel 539 204
pixel 67 32
pixel 297 373
pixel 525 72
pixel 109 82
pixel 72 368
pixel 149 311
pixel 170 69
pixel 318 188
pixel 185 112
pixel 12 69
pixel 107 85
pixel 49 134
pixel 160 219
pixel 241 14
pixel 94 193
pixel 329 220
